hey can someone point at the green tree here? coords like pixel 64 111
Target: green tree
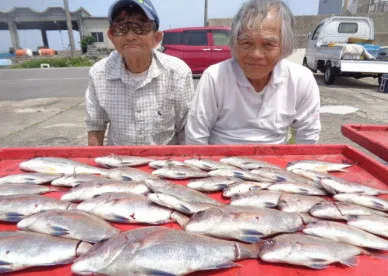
pixel 87 40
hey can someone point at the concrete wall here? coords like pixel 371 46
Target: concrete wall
pixel 306 24
pixel 330 6
pixel 97 24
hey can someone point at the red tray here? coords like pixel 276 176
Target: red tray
pixel 366 170
pixel 372 137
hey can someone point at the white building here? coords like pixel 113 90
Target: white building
pixel 353 6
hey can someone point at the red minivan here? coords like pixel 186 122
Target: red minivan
pixel 199 47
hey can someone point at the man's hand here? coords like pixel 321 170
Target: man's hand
pixel 96 138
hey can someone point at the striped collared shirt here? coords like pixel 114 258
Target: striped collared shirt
pixel 150 112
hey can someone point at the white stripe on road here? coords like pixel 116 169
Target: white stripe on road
pixel 46 79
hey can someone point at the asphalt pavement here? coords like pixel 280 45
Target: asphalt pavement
pixel 45 107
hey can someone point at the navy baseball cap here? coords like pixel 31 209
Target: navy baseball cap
pixel 145 5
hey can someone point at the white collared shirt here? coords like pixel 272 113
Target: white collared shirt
pixel 227 110
pixel 149 110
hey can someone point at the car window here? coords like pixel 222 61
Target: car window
pixel 221 37
pixel 317 32
pixel 348 28
pixel 173 38
pixel 195 38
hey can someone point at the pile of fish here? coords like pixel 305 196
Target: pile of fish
pixel 298 215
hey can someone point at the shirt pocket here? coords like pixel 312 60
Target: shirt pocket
pixel 283 121
pixel 164 119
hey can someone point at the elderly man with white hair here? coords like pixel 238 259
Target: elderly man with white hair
pixel 255 97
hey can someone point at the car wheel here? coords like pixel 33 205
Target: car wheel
pixel 329 75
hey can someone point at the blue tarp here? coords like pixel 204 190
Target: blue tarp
pixel 5 62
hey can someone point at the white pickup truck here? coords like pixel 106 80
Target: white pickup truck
pixel 342 46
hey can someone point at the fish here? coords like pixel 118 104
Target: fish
pixel 21 250
pixel 251 226
pixel 24 189
pixel 75 180
pixel 307 218
pixel 87 191
pixel 179 172
pixel 319 166
pixel 297 188
pixel 76 225
pixel 345 233
pixel 309 251
pixel 373 224
pixel 340 211
pixel 261 199
pixel 52 165
pixel 207 164
pixel 247 163
pixel 28 178
pixel 245 186
pixel 116 161
pixel 338 186
pixel 159 250
pixel 127 174
pixel 282 175
pixel 179 191
pixel 157 164
pixel 16 207
pixel 312 175
pixel 130 208
pixel 212 184
pixel 298 203
pixel 363 200
pixel 237 173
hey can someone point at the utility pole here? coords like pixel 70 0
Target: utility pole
pixel 345 8
pixel 69 27
pixel 205 18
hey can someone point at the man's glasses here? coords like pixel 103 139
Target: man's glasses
pixel 124 28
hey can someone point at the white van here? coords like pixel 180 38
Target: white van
pixel 343 46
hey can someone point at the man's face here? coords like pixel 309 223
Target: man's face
pixel 258 51
pixel 132 37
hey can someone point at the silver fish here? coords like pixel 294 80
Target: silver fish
pixel 129 208
pixel 307 218
pixel 373 224
pixel 260 199
pixel 312 175
pixel 28 178
pixel 179 191
pixel 161 251
pixel 207 164
pixel 244 187
pixel 74 180
pixel 313 252
pixel 282 175
pixel 24 189
pixel 314 165
pixel 297 188
pixel 338 186
pixel 21 250
pixel 69 224
pixel 180 172
pixel 247 163
pixel 298 203
pixel 345 233
pixel 127 174
pixel 212 184
pixel 52 165
pixel 116 161
pixel 341 211
pixel 245 175
pixel 16 207
pixel 248 227
pixel 157 164
pixel 363 200
pixel 87 191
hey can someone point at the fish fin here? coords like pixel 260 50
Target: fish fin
pixel 376 253
pixel 317 266
pixel 184 209
pixel 281 179
pixel 14 217
pixel 327 188
pixel 159 273
pixel 59 231
pixel 120 218
pixel 4 263
pixel 352 261
pixel 221 266
pixel 126 178
pixel 250 236
pixel 220 187
pixel 269 205
pixel 252 232
pixel 377 205
pixel 305 191
pixel 238 175
pixel 4 269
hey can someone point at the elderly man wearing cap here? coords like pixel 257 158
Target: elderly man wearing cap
pixel 142 94
pixel 255 97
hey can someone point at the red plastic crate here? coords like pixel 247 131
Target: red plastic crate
pixel 366 170
pixel 372 137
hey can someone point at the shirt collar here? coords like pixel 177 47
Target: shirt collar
pixel 279 74
pixel 115 67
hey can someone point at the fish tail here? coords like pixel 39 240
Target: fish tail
pixel 376 253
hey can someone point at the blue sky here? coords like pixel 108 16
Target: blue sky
pixel 172 13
